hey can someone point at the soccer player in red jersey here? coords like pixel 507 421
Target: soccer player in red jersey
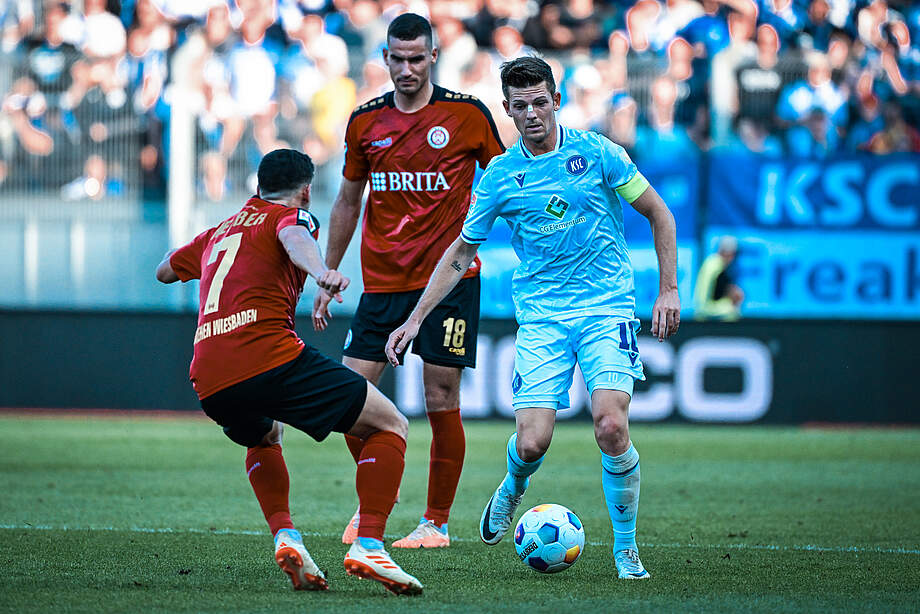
pixel 252 372
pixel 419 147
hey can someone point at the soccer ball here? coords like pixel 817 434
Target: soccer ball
pixel 549 538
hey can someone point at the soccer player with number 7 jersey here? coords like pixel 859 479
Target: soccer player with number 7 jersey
pixel 573 293
pixel 252 372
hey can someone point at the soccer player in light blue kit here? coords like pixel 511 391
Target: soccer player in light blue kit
pixel 573 292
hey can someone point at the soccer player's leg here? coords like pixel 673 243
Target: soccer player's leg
pixel 609 359
pixel 544 365
pixel 448 448
pixel 447 344
pixel 268 476
pixel 363 353
pixel 380 469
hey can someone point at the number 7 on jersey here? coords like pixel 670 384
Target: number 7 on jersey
pixel 230 243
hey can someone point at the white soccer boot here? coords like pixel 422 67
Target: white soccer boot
pixel 498 515
pixel 426 535
pixel 377 565
pixel 629 566
pixel 292 557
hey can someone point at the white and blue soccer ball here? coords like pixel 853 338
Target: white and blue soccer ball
pixel 549 538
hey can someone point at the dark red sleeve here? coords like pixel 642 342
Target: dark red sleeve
pixel 298 217
pixel 491 145
pixel 356 165
pixel 186 261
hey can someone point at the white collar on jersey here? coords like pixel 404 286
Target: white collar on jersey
pixel 560 138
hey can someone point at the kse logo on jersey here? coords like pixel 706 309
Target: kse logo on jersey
pixel 393 181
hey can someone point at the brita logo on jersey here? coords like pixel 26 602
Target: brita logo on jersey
pixel 403 181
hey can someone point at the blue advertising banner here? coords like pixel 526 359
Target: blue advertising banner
pixel 837 238
pixel 845 193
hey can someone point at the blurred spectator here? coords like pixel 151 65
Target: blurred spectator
pixel 456 50
pixel 49 58
pixel 741 49
pixel 813 111
pixel 759 81
pixel 662 138
pixel 897 136
pixel 376 79
pixel 586 103
pixel 94 184
pixel 621 121
pixel 715 295
pixel 816 32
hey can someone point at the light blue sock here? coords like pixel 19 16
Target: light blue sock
pixel 519 471
pixel 620 480
pixel 371 543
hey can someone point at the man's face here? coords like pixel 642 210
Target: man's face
pixel 409 63
pixel 533 110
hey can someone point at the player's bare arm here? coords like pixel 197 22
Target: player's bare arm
pixel 165 273
pixel 343 220
pixel 342 223
pixel 450 270
pixel 304 252
pixel 666 312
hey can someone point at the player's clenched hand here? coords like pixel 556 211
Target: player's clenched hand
pixel 666 314
pixel 321 308
pixel 332 281
pixel 399 340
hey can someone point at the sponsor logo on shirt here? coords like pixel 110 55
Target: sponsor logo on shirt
pixel 438 137
pixel 383 142
pixel 519 178
pixel 557 207
pixel 576 165
pixel 393 181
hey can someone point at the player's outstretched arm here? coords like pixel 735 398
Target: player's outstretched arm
pixel 343 219
pixel 666 312
pixel 450 270
pixel 304 252
pixel 165 273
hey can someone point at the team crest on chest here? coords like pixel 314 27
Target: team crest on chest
pixel 438 137
pixel 576 165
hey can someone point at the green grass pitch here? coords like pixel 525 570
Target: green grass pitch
pixel 140 514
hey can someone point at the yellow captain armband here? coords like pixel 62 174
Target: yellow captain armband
pixel 633 189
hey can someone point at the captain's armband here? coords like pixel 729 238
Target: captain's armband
pixel 633 189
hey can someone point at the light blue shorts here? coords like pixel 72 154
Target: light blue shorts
pixel 604 347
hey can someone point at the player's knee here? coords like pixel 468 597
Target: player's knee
pixel 531 446
pixel 400 424
pixel 610 429
pixel 440 397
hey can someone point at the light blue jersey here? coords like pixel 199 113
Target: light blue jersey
pixel 566 225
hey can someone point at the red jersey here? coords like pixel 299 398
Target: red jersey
pixel 249 290
pixel 420 167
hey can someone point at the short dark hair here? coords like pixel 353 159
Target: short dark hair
pixel 284 170
pixel 408 27
pixel 527 72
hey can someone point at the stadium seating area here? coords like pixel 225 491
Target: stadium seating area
pixel 89 86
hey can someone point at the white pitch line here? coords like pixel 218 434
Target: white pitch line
pixel 735 546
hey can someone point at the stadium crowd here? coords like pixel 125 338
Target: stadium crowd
pixel 90 85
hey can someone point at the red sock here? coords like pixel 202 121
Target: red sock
pixel 355 445
pixel 448 446
pixel 379 472
pixel 269 478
